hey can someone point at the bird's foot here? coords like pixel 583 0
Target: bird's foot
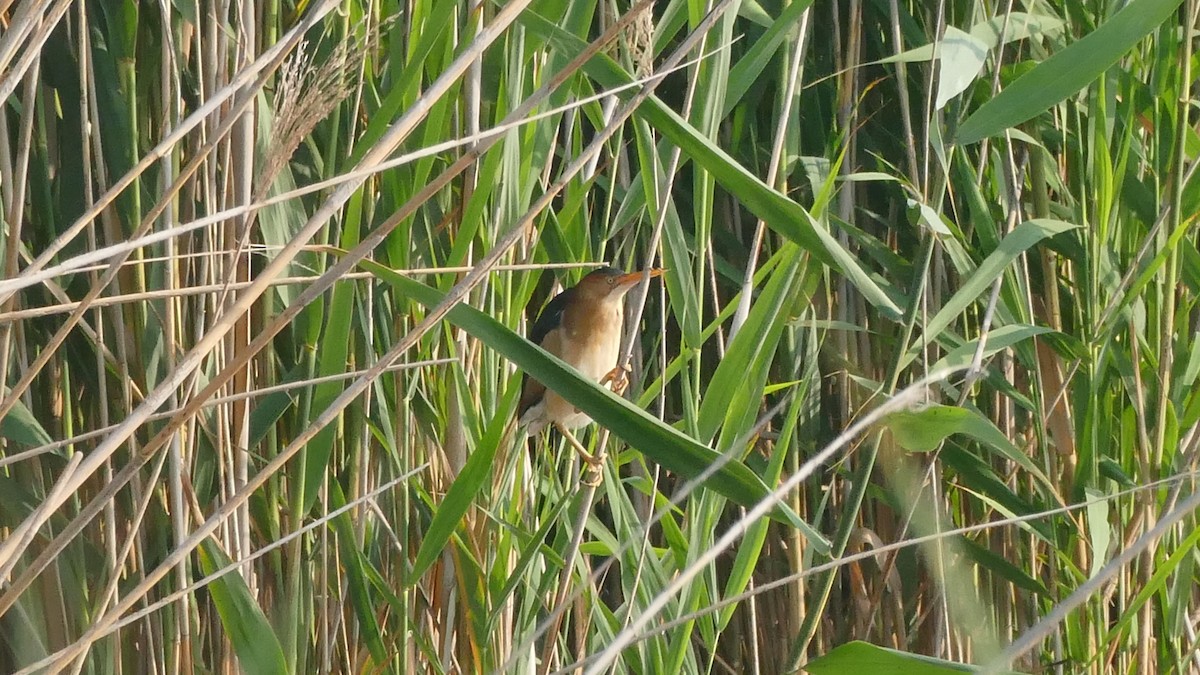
pixel 593 474
pixel 619 377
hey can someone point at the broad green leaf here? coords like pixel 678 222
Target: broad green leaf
pixel 862 657
pixel 122 28
pixel 651 436
pixel 333 357
pixel 1066 72
pixel 253 639
pixel 859 277
pixel 1111 469
pixel 925 429
pixel 1098 528
pixel 868 177
pixel 948 234
pixel 1015 26
pixel 749 9
pixel 21 426
pixel 1001 567
pixel 930 218
pixel 961 58
pixel 997 340
pixel 1188 378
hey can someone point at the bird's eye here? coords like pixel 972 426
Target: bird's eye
pixel 612 280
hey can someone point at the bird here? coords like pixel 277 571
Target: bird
pixel 582 326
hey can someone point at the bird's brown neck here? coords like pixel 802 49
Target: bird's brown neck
pixel 594 320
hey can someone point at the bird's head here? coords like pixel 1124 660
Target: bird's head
pixel 611 284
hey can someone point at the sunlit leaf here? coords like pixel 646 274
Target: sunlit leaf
pixel 21 426
pixel 253 639
pixel 863 657
pixel 1066 72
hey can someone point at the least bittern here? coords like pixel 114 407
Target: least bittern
pixel 583 327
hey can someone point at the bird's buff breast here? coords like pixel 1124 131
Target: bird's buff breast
pixel 593 363
pixel 594 354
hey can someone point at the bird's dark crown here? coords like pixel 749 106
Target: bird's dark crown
pixel 606 271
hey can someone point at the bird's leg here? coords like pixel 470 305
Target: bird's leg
pixel 619 377
pixel 593 473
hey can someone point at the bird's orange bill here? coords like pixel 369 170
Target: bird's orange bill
pixel 634 277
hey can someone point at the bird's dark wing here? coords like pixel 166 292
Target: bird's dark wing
pixel 551 317
pixel 531 392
